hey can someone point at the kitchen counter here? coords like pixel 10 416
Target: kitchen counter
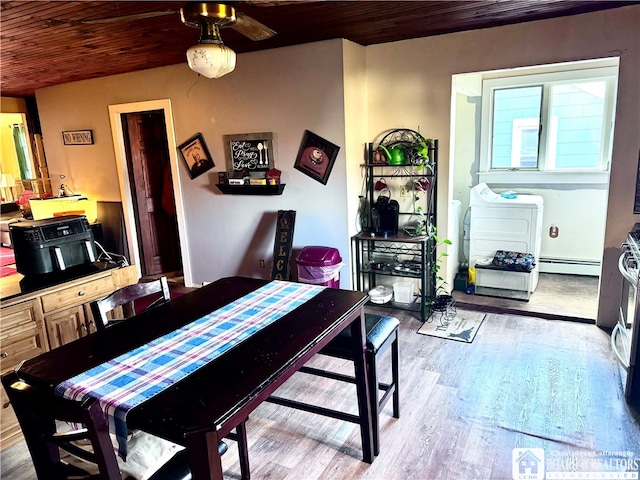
pixel 17 284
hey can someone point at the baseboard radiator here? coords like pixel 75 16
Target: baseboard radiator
pixel 569 266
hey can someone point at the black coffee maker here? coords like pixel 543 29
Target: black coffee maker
pixel 384 216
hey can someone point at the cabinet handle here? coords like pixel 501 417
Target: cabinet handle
pixel 6 404
pixel 4 355
pixel 81 293
pixel 84 328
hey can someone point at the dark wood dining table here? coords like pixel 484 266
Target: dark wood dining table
pixel 203 408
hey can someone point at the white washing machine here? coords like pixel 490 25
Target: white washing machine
pixel 499 223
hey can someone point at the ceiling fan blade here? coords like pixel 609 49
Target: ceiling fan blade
pixel 251 28
pixel 128 18
pixel 275 3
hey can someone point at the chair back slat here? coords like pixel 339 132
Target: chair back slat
pixel 125 298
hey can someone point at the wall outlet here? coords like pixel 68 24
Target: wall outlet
pixel 405 192
pixel 262 263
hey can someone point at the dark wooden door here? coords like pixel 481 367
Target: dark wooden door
pixel 152 191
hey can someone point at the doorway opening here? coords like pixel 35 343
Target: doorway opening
pixel 22 164
pixel 146 154
pixel 565 161
pixel 145 142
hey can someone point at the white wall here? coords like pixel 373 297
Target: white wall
pixel 465 155
pixel 409 85
pixel 298 88
pixel 355 94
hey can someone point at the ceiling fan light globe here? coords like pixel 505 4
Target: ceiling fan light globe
pixel 211 60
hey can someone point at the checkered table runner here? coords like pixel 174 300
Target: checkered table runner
pixel 130 379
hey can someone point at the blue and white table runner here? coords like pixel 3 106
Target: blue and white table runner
pixel 128 380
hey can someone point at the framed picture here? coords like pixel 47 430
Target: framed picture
pixel 77 137
pixel 196 155
pixel 316 157
pixel 253 151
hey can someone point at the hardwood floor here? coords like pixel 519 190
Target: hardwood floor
pixel 567 297
pixel 524 382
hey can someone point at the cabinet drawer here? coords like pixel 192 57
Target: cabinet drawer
pixel 19 318
pixel 77 295
pixel 124 276
pixel 21 347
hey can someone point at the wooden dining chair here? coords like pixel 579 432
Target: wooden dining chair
pixel 38 414
pixel 382 335
pixel 37 418
pixel 122 302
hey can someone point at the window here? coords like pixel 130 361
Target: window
pixel 516 122
pixel 547 124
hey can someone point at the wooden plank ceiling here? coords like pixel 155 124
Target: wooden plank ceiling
pixel 47 43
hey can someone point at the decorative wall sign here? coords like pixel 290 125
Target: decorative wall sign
pixel 196 155
pixel 282 246
pixel 254 151
pixel 316 157
pixel 77 137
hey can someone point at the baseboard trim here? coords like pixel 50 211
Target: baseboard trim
pixel 515 311
pixel 569 267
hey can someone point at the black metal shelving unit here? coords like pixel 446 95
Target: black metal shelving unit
pixel 368 251
pixel 379 257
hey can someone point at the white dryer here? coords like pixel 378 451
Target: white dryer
pixel 499 223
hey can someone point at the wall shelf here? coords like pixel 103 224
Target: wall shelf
pixel 251 189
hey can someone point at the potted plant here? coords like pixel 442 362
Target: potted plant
pixel 443 297
pixel 420 154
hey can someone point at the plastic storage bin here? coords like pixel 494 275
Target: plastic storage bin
pixel 403 292
pixel 319 266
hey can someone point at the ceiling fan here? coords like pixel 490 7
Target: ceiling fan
pixel 244 24
pixel 210 57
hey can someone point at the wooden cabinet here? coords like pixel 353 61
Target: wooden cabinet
pixel 22 337
pixel 67 315
pixel 35 322
pixel 66 326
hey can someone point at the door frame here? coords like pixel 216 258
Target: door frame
pixel 115 117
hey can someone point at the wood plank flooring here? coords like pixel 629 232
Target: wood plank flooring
pixel 524 382
pixel 568 297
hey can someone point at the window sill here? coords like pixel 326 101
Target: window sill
pixel 545 178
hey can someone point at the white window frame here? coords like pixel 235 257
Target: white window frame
pixel 546 172
pixel 520 124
